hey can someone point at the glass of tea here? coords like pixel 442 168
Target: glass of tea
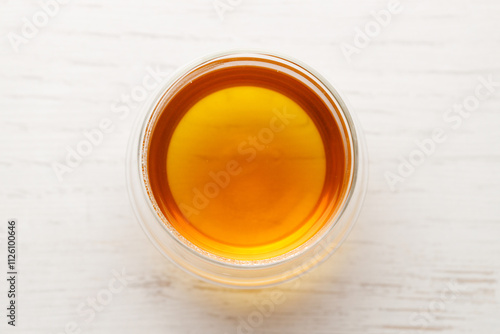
pixel 247 169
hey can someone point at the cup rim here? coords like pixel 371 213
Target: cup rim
pixel 148 118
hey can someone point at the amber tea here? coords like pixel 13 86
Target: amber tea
pixel 246 162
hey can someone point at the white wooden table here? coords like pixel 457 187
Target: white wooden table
pixel 424 257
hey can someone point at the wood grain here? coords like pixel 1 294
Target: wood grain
pixel 440 228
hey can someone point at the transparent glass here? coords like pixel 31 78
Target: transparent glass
pixel 230 272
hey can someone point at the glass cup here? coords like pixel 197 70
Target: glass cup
pixel 229 271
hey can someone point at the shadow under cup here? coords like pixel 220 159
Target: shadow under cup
pixel 246 169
